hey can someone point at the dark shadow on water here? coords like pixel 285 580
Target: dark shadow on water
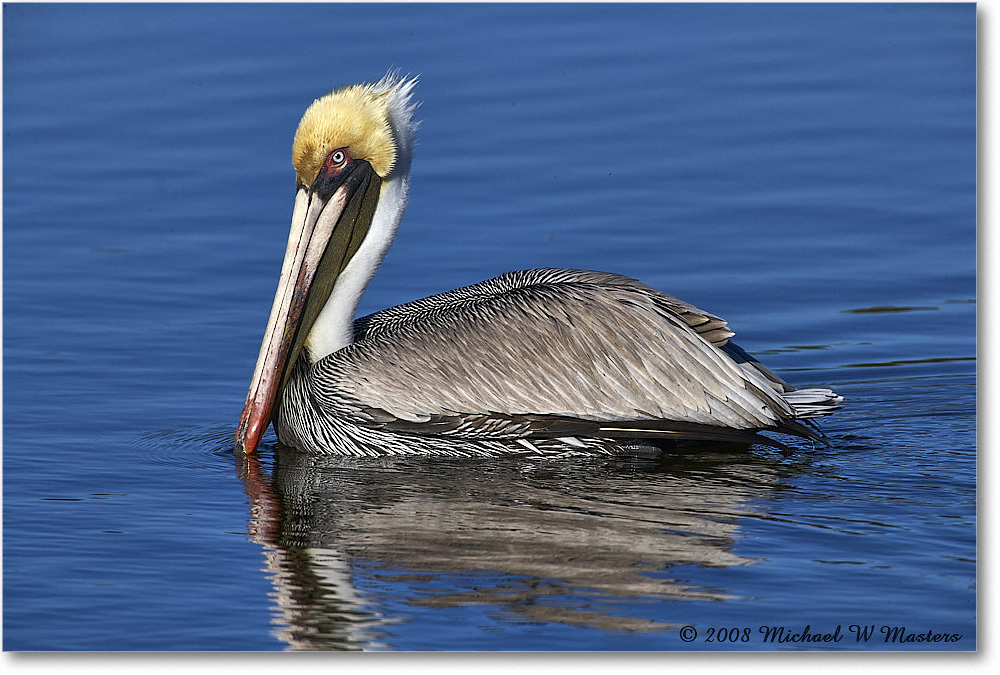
pixel 586 543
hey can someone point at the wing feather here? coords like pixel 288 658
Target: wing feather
pixel 546 352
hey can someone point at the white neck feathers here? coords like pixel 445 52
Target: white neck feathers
pixel 333 327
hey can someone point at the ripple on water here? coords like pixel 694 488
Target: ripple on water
pixel 204 450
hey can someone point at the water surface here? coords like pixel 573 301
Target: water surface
pixel 805 171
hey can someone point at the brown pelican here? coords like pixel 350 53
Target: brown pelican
pixel 537 361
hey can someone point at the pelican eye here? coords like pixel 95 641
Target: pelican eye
pixel 336 167
pixel 336 160
pixel 335 164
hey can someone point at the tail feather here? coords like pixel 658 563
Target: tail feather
pixel 810 403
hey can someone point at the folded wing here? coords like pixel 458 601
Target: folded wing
pixel 552 353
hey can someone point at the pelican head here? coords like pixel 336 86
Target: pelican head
pixel 351 154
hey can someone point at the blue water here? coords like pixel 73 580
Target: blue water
pixel 806 171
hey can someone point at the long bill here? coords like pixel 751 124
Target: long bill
pixel 329 222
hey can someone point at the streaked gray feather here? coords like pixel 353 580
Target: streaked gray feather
pixel 544 352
